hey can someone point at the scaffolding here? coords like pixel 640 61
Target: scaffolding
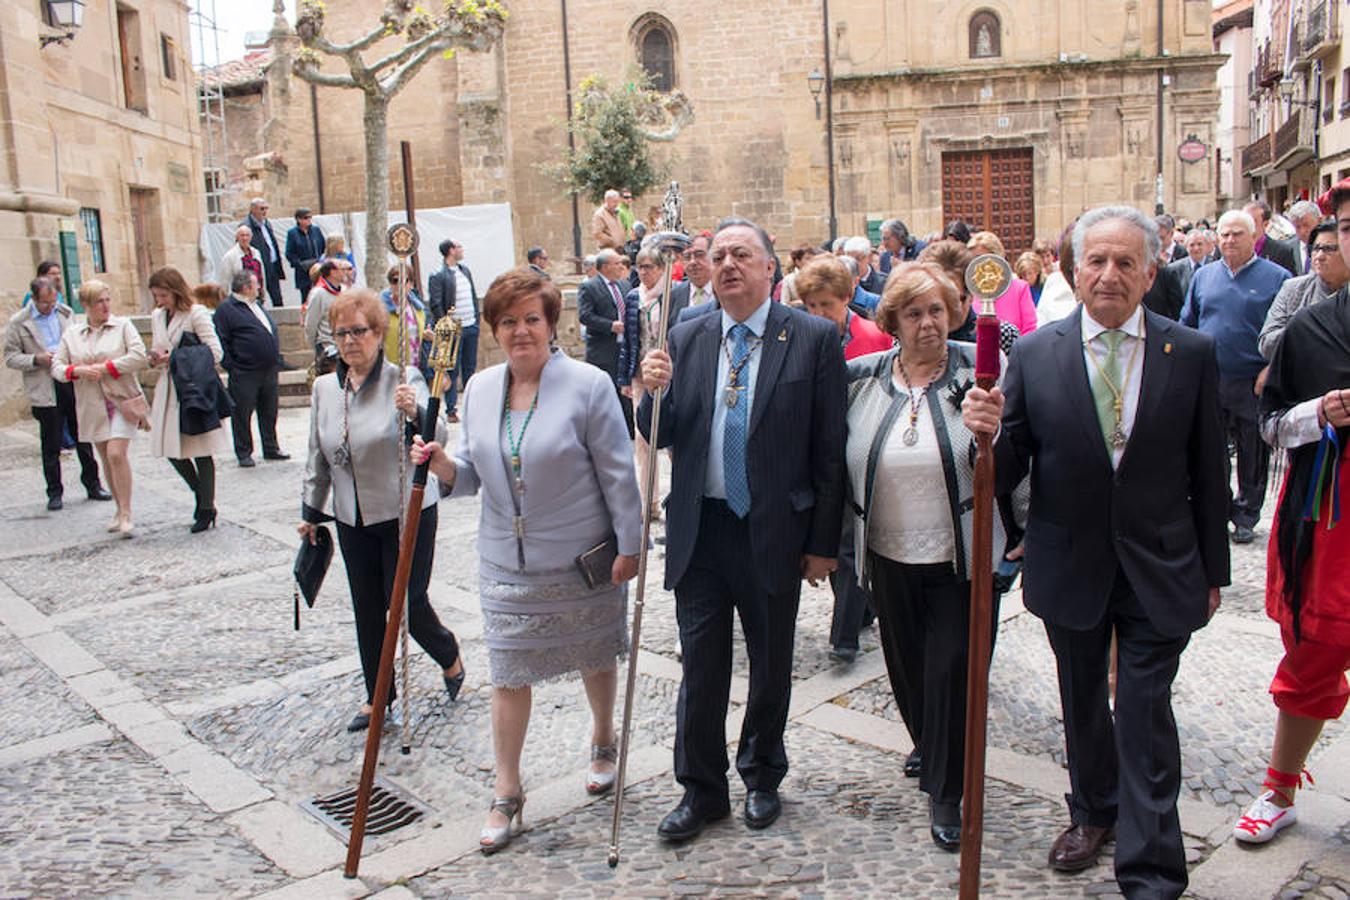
pixel 210 105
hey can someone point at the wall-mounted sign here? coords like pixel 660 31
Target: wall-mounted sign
pixel 1193 150
pixel 180 178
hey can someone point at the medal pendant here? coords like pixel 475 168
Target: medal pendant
pixel 1118 437
pixel 520 485
pixel 910 435
pixel 730 396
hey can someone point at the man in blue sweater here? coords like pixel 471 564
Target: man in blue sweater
pixel 252 355
pixel 1229 302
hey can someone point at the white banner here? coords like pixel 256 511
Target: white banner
pixel 484 230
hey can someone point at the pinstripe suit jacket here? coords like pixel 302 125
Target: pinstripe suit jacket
pixel 794 452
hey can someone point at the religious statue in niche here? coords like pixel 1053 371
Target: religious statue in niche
pixel 985 35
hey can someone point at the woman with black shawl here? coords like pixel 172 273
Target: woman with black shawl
pixel 1305 409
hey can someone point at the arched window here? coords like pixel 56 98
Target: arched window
pixel 986 35
pixel 656 53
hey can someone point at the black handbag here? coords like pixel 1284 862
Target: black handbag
pixel 311 565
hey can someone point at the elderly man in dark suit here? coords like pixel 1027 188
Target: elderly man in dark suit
pixel 1197 254
pixel 1114 410
pixel 600 309
pixel 252 356
pixel 755 413
pixel 1284 253
pixel 265 241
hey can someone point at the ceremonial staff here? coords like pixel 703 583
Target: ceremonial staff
pixel 672 241
pixel 444 353
pixel 987 277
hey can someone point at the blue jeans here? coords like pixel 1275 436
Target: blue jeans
pixel 464 367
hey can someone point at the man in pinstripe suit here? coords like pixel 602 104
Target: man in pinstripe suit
pixel 754 408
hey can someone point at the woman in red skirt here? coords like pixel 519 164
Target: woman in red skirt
pixel 1306 409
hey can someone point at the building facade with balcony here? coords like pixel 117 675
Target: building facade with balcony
pixel 1297 84
pixel 1233 38
pixel 99 157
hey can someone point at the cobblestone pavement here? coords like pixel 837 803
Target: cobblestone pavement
pixel 163 724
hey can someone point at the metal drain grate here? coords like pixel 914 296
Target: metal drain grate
pixel 390 809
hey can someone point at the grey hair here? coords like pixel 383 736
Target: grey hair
pixel 857 246
pixel 837 247
pixel 851 264
pixel 611 193
pixel 1240 216
pixel 244 228
pixel 605 257
pixel 895 227
pixel 588 262
pixel 240 280
pixel 649 254
pixel 735 222
pixel 1303 208
pixel 257 201
pixel 1127 214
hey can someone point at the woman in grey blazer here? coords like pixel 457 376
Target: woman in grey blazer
pixel 545 441
pixel 357 433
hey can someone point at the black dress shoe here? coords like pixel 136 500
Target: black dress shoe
pixel 359 722
pixel 278 455
pixel 1078 847
pixel 1243 534
pixel 99 493
pixel 762 808
pixel 54 503
pixel 914 764
pixel 686 821
pixel 945 825
pixel 246 462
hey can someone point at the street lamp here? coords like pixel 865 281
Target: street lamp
pixel 816 82
pixel 64 15
pixel 1287 88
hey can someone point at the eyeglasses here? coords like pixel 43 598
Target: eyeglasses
pixel 628 196
pixel 356 333
pixel 1324 248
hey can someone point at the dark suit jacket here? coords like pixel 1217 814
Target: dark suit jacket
pixel 1282 252
pixel 444 291
pixel 303 251
pixel 795 449
pixel 874 283
pixel 1182 267
pixel 1166 296
pixel 597 312
pixel 273 270
pixel 689 313
pixel 246 342
pixel 1161 516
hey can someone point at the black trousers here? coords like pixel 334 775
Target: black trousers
pixel 254 389
pixel 1125 769
pixel 718 584
pixel 1238 407
pixel 50 421
pixel 274 286
pixel 370 554
pixel 626 404
pixel 851 602
pixel 923 615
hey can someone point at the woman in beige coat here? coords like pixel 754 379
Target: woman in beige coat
pixel 102 355
pixel 190 454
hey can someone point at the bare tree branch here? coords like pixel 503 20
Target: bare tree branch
pixel 357 45
pixel 407 50
pixel 326 79
pixel 394 83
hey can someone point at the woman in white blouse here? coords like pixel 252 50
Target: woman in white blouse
pixel 910 464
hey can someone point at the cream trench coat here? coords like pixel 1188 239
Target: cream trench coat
pixel 165 438
pixel 115 341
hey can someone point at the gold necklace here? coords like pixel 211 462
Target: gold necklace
pixel 1118 437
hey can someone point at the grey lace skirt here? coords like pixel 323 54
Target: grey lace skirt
pixel 550 625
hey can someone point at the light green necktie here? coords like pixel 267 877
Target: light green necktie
pixel 1108 395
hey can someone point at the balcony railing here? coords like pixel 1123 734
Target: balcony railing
pixel 1294 140
pixel 1259 154
pixel 1321 28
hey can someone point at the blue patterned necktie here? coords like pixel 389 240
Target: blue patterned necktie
pixel 737 425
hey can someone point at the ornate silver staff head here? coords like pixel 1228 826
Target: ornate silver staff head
pixel 672 240
pixel 402 240
pixel 988 277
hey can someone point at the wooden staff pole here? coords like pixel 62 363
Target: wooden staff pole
pixel 410 206
pixel 986 277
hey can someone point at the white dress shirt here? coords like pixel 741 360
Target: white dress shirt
pixel 698 296
pixel 256 307
pixel 715 482
pixel 1129 358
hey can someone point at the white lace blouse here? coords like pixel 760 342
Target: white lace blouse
pixel 911 518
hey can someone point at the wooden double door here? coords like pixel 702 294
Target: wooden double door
pixel 992 190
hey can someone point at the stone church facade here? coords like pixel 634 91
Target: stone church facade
pixel 1013 115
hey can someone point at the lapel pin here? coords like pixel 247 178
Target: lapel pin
pixel 1167 348
pixel 782 335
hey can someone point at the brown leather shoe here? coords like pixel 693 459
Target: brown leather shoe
pixel 1078 848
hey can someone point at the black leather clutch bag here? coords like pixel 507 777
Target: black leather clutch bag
pixel 311 565
pixel 597 564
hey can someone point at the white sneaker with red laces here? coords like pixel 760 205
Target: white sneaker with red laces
pixel 1263 820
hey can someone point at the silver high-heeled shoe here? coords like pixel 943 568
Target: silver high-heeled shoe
pixel 490 839
pixel 601 782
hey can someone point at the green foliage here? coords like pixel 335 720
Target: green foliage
pixel 612 144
